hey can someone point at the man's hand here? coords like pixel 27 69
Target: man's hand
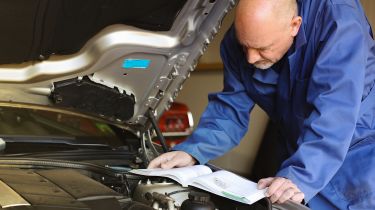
pixel 172 159
pixel 281 189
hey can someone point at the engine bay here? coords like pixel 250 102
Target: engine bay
pixel 49 187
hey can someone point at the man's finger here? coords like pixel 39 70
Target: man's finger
pixel 298 197
pixel 287 194
pixel 157 162
pixel 263 183
pixel 275 185
pixel 172 159
pixel 170 163
pixel 285 191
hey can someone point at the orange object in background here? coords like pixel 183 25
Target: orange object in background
pixel 176 123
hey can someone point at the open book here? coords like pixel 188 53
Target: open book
pixel 223 183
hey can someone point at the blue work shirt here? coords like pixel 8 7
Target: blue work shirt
pixel 321 96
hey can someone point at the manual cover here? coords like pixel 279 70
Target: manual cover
pixel 222 183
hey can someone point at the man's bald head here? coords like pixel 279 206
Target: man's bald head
pixel 266 10
pixel 263 24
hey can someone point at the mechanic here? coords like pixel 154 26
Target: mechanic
pixel 310 64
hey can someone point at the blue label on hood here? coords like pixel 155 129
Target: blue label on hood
pixel 136 63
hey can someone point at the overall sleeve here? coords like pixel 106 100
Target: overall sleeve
pixel 335 92
pixel 225 119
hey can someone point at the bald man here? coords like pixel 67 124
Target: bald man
pixel 310 64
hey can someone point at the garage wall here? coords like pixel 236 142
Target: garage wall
pixel 202 82
pixel 369 6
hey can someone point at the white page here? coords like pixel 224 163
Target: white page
pixel 181 175
pixel 228 184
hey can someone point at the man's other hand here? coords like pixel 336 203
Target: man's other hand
pixel 172 159
pixel 281 189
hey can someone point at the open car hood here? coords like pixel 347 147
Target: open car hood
pixel 115 61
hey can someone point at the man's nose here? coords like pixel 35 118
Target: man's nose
pixel 253 56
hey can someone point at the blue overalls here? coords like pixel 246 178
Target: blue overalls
pixel 321 96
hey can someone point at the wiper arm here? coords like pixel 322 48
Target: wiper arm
pixel 56 140
pixel 76 154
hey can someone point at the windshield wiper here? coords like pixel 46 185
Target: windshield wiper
pixel 17 146
pixel 57 140
pixel 77 154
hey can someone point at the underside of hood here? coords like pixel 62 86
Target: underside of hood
pixel 110 59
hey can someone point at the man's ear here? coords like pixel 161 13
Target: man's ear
pixel 295 25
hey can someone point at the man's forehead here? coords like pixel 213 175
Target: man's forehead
pixel 256 42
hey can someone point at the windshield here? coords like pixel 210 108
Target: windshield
pixel 20 125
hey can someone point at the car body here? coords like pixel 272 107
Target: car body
pixel 81 83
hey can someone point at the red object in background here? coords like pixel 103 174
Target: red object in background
pixel 176 123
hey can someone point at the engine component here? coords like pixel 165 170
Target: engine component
pixel 135 206
pixel 161 201
pixel 148 192
pixel 56 189
pixel 147 150
pixel 198 201
pixel 88 96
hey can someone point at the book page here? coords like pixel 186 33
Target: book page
pixel 181 175
pixel 229 185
